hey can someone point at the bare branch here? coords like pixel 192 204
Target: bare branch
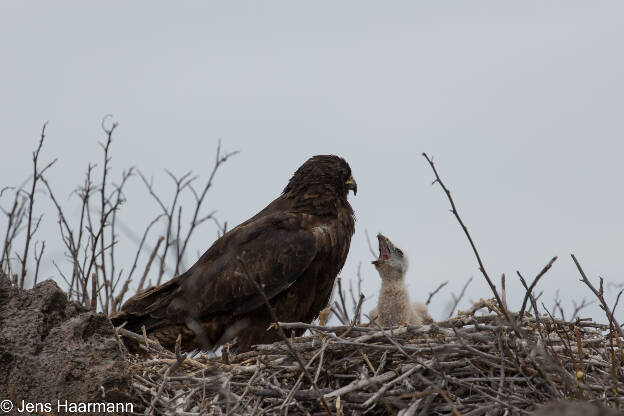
pixel 432 294
pixel 370 246
pixel 457 299
pixel 38 257
pixel 472 244
pixel 534 283
pixel 600 295
pixel 149 264
pixel 31 201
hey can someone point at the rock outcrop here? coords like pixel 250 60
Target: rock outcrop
pixel 54 350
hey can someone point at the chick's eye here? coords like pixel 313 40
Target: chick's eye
pixel 400 253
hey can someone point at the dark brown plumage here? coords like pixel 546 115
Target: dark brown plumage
pixel 294 248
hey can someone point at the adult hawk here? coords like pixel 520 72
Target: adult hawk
pixel 293 248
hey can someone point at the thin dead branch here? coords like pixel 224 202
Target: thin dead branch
pixel 31 228
pixel 600 295
pixel 534 283
pixel 472 244
pixel 432 294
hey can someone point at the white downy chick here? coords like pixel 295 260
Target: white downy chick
pixel 394 307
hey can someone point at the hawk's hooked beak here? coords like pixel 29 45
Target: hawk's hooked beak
pixel 351 185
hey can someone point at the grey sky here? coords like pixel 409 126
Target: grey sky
pixel 520 103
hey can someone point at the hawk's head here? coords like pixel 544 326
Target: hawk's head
pixel 329 170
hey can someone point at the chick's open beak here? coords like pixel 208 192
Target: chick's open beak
pixel 384 250
pixel 351 185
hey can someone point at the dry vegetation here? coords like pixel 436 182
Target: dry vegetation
pixel 91 273
pixel 487 360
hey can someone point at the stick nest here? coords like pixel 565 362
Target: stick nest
pixel 468 365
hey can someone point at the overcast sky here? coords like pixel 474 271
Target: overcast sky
pixel 519 103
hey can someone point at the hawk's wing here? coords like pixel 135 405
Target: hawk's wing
pixel 276 249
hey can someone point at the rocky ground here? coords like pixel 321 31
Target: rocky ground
pixel 53 349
